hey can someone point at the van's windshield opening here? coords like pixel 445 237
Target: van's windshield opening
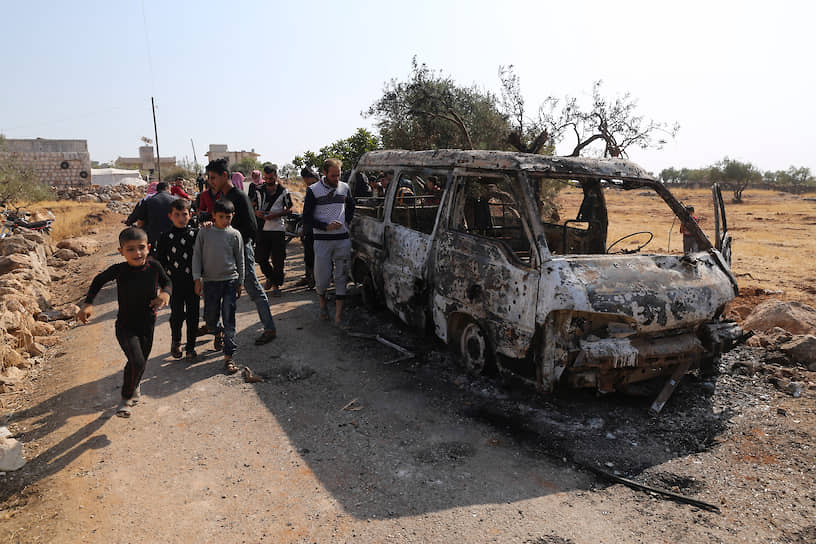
pixel 600 216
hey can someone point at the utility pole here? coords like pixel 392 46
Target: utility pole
pixel 156 134
pixel 195 158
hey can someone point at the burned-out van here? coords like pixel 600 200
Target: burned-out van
pixel 475 246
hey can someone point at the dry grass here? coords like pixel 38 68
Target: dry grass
pixel 70 216
pixel 774 234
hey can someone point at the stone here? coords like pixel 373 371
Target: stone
pixel 16 261
pixel 57 275
pixel 801 349
pixel 16 244
pixel 48 341
pixel 41 328
pixel 65 254
pixel 33 236
pixel 792 316
pixel 11 455
pixel 12 359
pixel 35 349
pixel 61 325
pixel 12 376
pixel 81 246
pixel 65 312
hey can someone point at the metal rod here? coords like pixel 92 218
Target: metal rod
pixel 649 489
pixel 156 134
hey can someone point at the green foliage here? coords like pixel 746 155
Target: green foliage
pixel 735 175
pixel 19 185
pixel 738 176
pixel 795 180
pixel 246 166
pixel 178 170
pixel 430 111
pixel 348 150
pixel 288 171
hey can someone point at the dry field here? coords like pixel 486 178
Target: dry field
pixel 71 217
pixel 774 236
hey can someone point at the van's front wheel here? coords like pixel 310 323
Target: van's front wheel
pixel 474 349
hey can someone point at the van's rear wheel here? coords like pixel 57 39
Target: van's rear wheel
pixel 474 349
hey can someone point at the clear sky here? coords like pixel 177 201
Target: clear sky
pixel 283 77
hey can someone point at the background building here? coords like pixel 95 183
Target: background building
pixel 146 161
pixel 219 151
pixel 58 163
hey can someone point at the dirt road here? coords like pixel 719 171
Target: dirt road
pixel 335 446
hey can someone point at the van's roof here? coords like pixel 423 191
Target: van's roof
pixel 573 167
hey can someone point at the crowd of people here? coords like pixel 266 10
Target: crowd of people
pixel 179 249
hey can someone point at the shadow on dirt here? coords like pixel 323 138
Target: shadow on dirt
pixel 421 436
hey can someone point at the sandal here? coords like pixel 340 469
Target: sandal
pixel 230 368
pixel 324 314
pixel 124 408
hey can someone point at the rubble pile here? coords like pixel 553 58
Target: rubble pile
pixel 117 198
pixel 27 321
pixel 785 333
pixel 107 193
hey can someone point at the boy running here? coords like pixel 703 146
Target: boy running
pixel 138 280
pixel 175 254
pixel 218 272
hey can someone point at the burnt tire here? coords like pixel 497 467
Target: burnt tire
pixel 473 349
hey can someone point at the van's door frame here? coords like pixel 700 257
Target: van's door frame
pixel 478 279
pixel 407 254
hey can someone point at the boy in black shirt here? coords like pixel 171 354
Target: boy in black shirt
pixel 137 286
pixel 175 254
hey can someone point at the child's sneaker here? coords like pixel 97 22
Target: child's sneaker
pixel 218 342
pixel 191 355
pixel 175 350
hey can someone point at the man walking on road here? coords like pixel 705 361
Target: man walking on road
pixel 272 204
pixel 154 213
pixel 327 211
pixel 244 222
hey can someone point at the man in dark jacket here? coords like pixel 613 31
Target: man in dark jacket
pixel 154 215
pixel 244 221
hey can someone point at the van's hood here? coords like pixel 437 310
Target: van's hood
pixel 660 292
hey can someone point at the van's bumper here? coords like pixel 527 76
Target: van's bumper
pixel 612 363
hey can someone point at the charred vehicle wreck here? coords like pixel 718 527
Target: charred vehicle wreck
pixel 469 244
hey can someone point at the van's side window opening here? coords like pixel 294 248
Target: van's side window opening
pixel 370 188
pixel 490 206
pixel 416 200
